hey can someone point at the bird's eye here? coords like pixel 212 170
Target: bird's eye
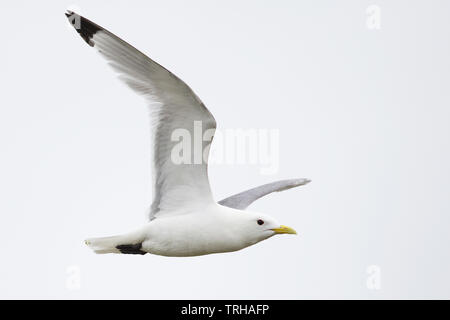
pixel 260 222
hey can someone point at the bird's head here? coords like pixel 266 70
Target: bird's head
pixel 259 227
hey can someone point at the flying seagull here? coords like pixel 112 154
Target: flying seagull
pixel 184 218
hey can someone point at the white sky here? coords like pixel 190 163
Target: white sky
pixel 363 113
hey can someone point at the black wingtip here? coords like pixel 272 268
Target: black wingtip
pixel 84 27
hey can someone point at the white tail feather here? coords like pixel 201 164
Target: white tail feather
pixel 109 244
pixel 104 244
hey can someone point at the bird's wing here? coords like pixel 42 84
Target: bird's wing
pixel 244 199
pixel 175 111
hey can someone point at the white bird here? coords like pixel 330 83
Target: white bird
pixel 184 218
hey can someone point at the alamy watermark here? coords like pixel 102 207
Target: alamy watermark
pixel 259 147
pixel 373 281
pixel 373 19
pixel 73 278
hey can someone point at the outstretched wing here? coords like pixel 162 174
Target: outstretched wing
pixel 244 199
pixel 177 182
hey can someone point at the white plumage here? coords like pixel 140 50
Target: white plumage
pixel 184 218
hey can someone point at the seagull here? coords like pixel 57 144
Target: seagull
pixel 184 219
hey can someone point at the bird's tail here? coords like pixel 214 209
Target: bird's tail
pixel 104 244
pixel 130 244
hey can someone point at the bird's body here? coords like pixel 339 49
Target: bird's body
pixel 208 230
pixel 184 218
pixel 212 229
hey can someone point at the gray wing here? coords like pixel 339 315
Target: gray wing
pixel 242 200
pixel 173 107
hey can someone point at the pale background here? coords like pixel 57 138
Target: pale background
pixel 363 113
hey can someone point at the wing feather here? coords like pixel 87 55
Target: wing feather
pixel 173 105
pixel 242 200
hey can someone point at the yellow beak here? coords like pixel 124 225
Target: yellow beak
pixel 284 229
